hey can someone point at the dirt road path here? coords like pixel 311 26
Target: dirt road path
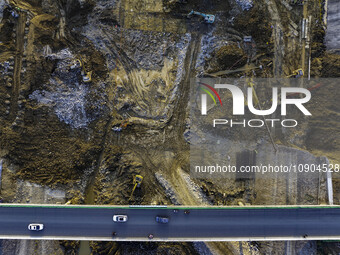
pixel 20 33
pixel 278 38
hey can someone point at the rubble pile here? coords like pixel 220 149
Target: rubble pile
pixel 245 4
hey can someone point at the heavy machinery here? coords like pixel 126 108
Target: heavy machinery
pixel 87 76
pixel 247 39
pixel 137 181
pixel 76 64
pixel 123 125
pixel 296 74
pixel 208 18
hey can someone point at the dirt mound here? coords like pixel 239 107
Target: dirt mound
pixel 331 65
pixel 256 23
pixel 141 248
pixel 230 56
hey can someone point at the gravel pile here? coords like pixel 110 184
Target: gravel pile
pixel 169 190
pixel 245 4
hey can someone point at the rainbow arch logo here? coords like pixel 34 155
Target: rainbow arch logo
pixel 205 89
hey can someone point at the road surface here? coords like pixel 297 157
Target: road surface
pixel 236 223
pixel 333 24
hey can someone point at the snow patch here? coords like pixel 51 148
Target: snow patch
pixel 64 93
pixel 68 104
pixel 169 190
pixel 182 47
pixel 209 43
pixel 2 6
pixel 245 4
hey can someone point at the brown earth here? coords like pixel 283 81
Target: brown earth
pixel 137 60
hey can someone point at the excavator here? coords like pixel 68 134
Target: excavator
pixel 137 181
pixel 296 74
pixel 87 76
pixel 123 125
pixel 208 18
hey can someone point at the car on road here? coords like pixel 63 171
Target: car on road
pixel 162 219
pixel 36 226
pixel 120 218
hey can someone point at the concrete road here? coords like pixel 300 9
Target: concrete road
pixel 242 223
pixel 333 24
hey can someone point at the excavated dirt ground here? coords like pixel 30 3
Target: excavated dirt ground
pixel 90 139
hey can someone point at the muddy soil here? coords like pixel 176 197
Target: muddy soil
pixel 90 138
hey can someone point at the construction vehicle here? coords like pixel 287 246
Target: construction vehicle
pixel 296 74
pixel 137 181
pixel 247 39
pixel 87 76
pixel 119 128
pixel 208 18
pixel 76 64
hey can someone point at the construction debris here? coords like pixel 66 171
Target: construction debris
pixel 208 18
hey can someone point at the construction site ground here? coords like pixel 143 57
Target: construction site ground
pixel 63 140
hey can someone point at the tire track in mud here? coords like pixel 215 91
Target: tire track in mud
pixel 178 145
pixel 278 38
pixel 278 57
pixel 174 139
pixel 89 190
pixel 89 196
pixel 180 110
pixel 128 65
pixel 178 120
pixel 20 33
